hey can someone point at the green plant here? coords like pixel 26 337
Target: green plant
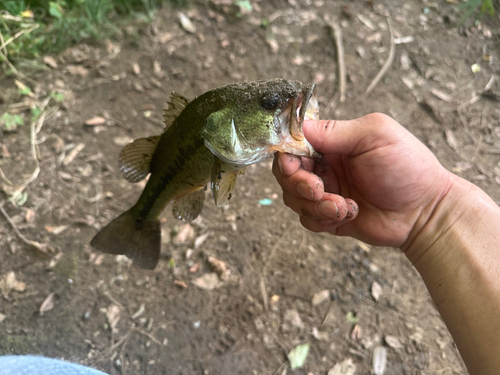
pixel 472 6
pixel 10 122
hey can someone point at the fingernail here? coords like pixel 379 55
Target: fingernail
pixel 305 190
pixel 328 209
pixel 279 165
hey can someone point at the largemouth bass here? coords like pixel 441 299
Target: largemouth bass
pixel 212 138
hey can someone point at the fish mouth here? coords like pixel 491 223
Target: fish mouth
pixel 303 106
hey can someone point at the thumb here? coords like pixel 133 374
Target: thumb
pixel 353 137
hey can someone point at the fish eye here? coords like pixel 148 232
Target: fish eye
pixel 270 102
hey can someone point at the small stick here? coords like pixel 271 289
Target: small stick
pixel 387 64
pixel 336 31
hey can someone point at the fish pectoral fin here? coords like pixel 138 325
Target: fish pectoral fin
pixel 189 206
pixel 135 158
pixel 224 177
pixel 175 106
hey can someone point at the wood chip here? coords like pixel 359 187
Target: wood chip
pixel 136 68
pixel 94 121
pixel 48 304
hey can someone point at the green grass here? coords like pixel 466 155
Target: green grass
pixel 43 26
pixel 471 7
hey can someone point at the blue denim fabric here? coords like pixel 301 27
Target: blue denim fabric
pixel 35 365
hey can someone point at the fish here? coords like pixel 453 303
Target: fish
pixel 211 139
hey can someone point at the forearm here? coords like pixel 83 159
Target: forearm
pixel 457 254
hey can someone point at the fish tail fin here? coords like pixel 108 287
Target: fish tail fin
pixel 139 241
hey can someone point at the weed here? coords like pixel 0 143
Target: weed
pixel 11 122
pixel 472 6
pixel 29 28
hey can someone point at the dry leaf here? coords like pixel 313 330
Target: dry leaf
pixel 50 61
pixel 200 239
pixel 113 315
pixel 136 68
pixel 208 281
pixel 346 367
pixel 219 267
pixel 2 317
pixel 9 283
pixel 450 139
pixel 96 120
pixel 320 297
pixel 376 291
pixel 48 304
pixel 186 23
pixel 185 234
pixel 122 141
pixel 180 283
pixel 393 342
pixel 379 360
pixel 77 70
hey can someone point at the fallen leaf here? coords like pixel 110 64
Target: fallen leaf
pixel 200 239
pixel 56 230
pixel 208 281
pixel 186 23
pixel 379 360
pixel 113 315
pixel 185 234
pixel 122 141
pixel 180 283
pixel 346 367
pixel 298 355
pixel 320 297
pixel 9 283
pixel 96 120
pixel 136 68
pixel 219 267
pixel 77 70
pixel 48 304
pixel 393 342
pixel 376 291
pixel 356 332
pixel 50 61
pixel 451 139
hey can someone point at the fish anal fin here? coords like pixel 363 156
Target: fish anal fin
pixel 224 178
pixel 124 235
pixel 135 158
pixel 175 106
pixel 189 206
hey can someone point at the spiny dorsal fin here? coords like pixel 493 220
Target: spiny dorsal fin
pixel 189 206
pixel 224 177
pixel 135 158
pixel 175 106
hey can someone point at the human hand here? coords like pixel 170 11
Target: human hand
pixel 375 182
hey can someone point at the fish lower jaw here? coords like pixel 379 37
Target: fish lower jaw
pixel 298 148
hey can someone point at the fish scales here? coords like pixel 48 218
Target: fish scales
pixel 213 138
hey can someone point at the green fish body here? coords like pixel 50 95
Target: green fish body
pixel 212 138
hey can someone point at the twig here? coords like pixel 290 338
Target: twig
pixel 42 249
pixel 476 98
pixel 15 36
pixel 336 32
pixel 387 64
pixel 148 335
pixel 263 290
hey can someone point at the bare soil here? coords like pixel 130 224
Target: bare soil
pixel 124 320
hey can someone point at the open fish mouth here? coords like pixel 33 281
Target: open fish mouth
pixel 302 106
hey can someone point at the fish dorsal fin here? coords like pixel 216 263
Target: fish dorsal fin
pixel 175 106
pixel 224 177
pixel 189 206
pixel 135 158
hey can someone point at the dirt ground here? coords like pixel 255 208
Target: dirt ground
pixel 99 310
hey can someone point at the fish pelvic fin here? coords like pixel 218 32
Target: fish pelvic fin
pixel 223 181
pixel 189 206
pixel 140 242
pixel 135 158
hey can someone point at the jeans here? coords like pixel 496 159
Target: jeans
pixel 36 365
